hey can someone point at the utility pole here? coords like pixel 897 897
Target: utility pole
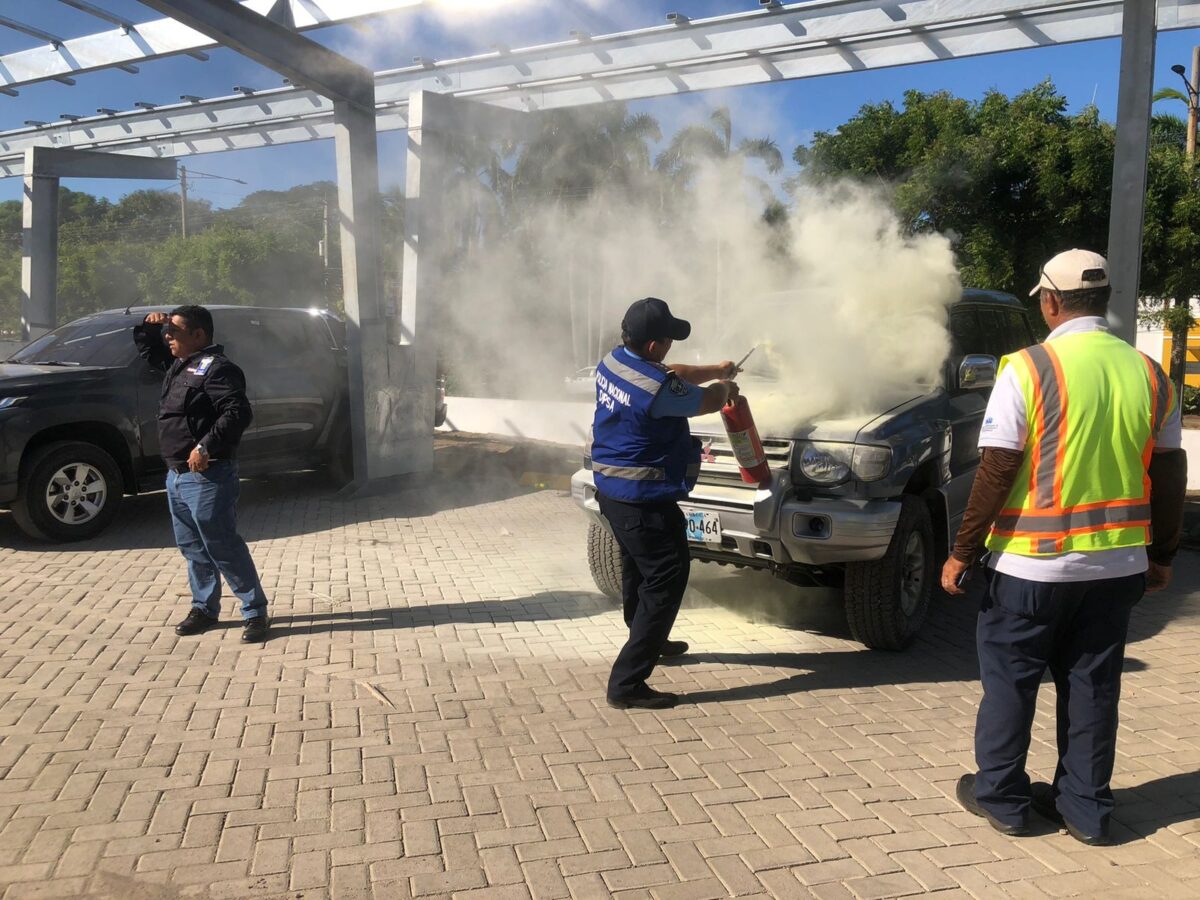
pixel 1180 332
pixel 183 200
pixel 1194 84
pixel 325 232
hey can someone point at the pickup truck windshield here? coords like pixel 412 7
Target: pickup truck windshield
pixel 87 343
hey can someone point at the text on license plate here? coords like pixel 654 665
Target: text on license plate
pixel 704 527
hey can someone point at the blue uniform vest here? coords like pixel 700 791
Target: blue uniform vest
pixel 636 457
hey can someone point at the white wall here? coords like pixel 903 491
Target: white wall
pixel 559 423
pixel 1191 443
pixel 1150 342
pixel 568 423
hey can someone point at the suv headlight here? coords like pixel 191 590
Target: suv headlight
pixel 831 463
pixel 6 402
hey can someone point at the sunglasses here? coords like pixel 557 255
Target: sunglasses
pixel 174 329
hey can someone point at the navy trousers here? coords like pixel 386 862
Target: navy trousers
pixel 655 565
pixel 1077 630
pixel 204 516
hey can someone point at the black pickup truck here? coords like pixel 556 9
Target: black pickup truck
pixel 78 411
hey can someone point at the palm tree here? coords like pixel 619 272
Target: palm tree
pixel 694 145
pixel 713 142
pixel 576 154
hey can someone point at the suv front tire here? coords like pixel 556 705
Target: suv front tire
pixel 604 561
pixel 887 600
pixel 69 491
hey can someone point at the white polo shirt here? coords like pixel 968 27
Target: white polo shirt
pixel 1005 426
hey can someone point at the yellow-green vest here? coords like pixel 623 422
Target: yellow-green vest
pixel 1094 408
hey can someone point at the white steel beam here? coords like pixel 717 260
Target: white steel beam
pixel 302 60
pixel 774 44
pixel 145 41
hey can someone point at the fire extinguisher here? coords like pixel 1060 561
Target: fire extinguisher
pixel 743 438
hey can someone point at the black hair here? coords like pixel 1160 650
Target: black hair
pixel 1086 302
pixel 196 317
pixel 630 344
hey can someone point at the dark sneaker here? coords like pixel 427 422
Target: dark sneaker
pixel 671 649
pixel 645 698
pixel 965 792
pixel 1043 797
pixel 195 623
pixel 254 631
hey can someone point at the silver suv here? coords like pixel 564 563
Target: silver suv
pixel 869 504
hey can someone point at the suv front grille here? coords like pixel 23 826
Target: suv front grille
pixel 719 465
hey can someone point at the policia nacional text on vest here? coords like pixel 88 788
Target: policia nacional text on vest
pixel 637 458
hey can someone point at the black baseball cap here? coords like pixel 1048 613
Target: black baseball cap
pixel 650 319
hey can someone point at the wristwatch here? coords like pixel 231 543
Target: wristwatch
pixel 203 450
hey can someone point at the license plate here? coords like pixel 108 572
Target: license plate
pixel 704 527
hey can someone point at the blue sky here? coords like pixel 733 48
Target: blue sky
pixel 789 112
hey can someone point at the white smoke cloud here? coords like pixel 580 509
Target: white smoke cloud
pixel 848 312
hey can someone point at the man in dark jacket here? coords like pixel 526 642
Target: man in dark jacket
pixel 201 416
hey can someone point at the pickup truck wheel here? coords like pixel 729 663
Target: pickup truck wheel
pixel 604 559
pixel 887 599
pixel 70 492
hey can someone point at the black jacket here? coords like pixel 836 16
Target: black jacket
pixel 203 399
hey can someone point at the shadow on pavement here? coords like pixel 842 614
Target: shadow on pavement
pixel 541 607
pixel 1158 804
pixel 468 471
pixel 832 669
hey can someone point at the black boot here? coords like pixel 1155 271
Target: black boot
pixel 195 623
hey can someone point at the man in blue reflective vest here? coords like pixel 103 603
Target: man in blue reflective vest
pixel 644 460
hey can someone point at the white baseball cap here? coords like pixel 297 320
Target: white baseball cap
pixel 1073 270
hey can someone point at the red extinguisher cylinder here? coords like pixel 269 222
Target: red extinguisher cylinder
pixel 746 444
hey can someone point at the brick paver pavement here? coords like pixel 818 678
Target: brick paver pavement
pixel 428 720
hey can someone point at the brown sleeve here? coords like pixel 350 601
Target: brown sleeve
pixel 993 481
pixel 1168 488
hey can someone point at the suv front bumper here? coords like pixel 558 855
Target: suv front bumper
pixel 761 527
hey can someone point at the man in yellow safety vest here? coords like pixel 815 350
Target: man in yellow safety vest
pixel 1079 498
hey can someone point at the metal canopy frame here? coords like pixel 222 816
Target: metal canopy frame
pixel 44 167
pixel 337 99
pixel 131 43
pixel 774 44
pixel 351 90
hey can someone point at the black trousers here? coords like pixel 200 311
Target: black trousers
pixel 1078 631
pixel 655 564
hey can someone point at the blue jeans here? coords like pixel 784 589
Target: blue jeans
pixel 204 515
pixel 1077 630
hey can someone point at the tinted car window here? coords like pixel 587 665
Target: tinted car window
pixel 965 332
pixel 290 338
pixel 90 342
pixel 1018 329
pixel 1004 331
pixel 239 344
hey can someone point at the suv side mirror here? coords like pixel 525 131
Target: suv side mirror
pixel 976 372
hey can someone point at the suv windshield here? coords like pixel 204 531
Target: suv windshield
pixel 90 342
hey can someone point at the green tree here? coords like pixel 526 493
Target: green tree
pixel 1171 248
pixel 235 265
pixel 96 275
pixel 10 291
pixel 1169 271
pixel 1013 180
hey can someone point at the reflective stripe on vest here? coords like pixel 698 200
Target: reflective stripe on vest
pixel 637 457
pixel 632 473
pixel 632 375
pixel 1095 411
